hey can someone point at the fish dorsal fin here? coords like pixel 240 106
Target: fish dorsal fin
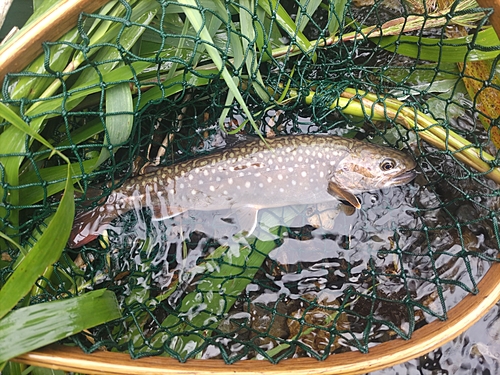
pixel 337 191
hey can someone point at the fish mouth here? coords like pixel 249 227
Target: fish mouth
pixel 404 177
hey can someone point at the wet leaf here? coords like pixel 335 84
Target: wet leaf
pixel 35 326
pixel 45 252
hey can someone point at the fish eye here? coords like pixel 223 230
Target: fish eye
pixel 387 164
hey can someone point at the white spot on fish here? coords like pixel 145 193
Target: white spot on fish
pixel 258 174
pixel 290 169
pixel 282 190
pixel 303 174
pixel 321 174
pixel 313 166
pixel 269 179
pixel 230 181
pixel 181 186
pixel 247 184
pixel 193 191
pixel 212 188
pixel 294 182
pixel 217 179
pixel 299 159
pixel 280 159
pixel 280 177
pixel 200 182
pixel 261 185
pixel 205 172
pixel 224 192
pixel 190 177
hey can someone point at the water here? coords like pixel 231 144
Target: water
pixel 311 281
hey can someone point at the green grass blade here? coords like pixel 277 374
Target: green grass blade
pixel 12 141
pixel 175 85
pixel 34 326
pixel 303 18
pixel 32 85
pixel 251 58
pixel 30 182
pixel 45 371
pixel 285 21
pixel 12 368
pixel 22 127
pixel 45 252
pixel 336 16
pixel 81 91
pixel 196 20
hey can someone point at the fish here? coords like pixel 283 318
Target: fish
pixel 245 178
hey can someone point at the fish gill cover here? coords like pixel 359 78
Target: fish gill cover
pixel 147 83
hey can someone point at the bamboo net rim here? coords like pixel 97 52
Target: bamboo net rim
pixel 433 335
pixel 26 45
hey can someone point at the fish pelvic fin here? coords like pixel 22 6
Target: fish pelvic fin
pixel 87 226
pixel 338 192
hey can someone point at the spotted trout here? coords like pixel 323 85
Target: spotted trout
pixel 291 170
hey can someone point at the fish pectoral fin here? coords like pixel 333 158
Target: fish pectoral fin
pixel 338 192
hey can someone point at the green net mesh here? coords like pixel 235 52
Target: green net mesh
pixel 360 278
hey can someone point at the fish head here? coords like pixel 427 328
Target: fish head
pixel 370 167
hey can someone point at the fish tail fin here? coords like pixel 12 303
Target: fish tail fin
pixel 88 225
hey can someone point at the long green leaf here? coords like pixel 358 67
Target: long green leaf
pixel 251 59
pixel 303 18
pixel 12 141
pixel 175 85
pixel 45 252
pixel 35 326
pixel 119 118
pixel 32 84
pixel 445 51
pixel 287 24
pixel 91 87
pixel 196 20
pixel 30 182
